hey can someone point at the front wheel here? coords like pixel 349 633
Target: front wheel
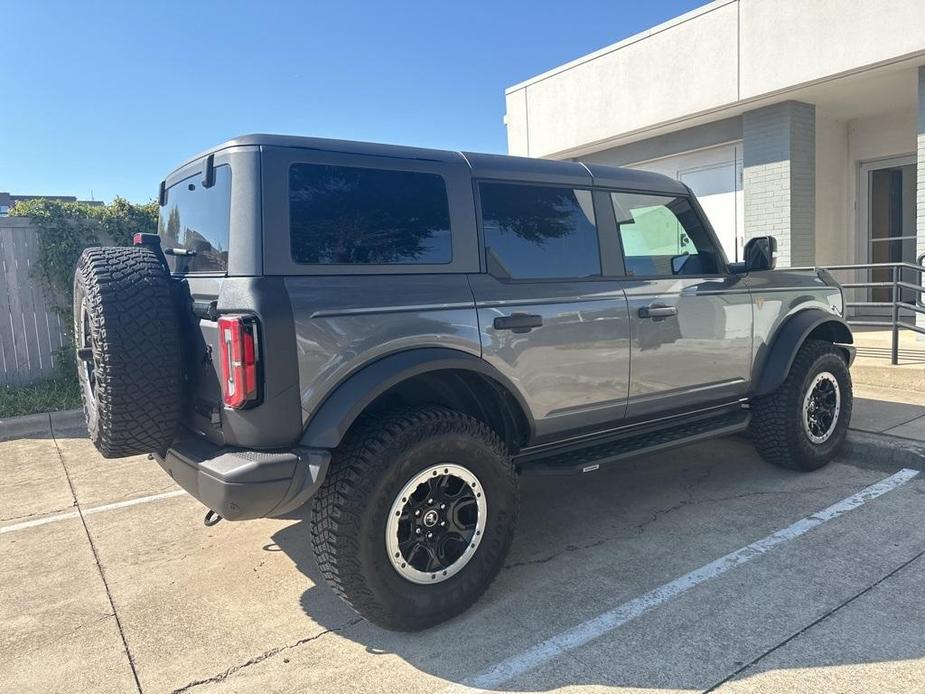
pixel 803 424
pixel 415 517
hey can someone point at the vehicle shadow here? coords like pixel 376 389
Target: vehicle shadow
pixel 587 544
pixel 905 419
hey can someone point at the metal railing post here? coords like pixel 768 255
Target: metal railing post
pixel 898 285
pixel 894 353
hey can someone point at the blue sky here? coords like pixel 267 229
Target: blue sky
pixel 110 96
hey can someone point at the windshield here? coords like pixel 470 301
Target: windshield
pixel 197 219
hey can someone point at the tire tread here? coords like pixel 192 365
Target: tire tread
pixel 337 508
pixel 137 356
pixel 774 428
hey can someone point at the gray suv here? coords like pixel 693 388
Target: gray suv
pixel 393 335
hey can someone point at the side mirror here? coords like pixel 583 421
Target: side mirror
pixel 760 254
pixel 678 262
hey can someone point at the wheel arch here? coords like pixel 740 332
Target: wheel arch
pixel 430 375
pixel 773 363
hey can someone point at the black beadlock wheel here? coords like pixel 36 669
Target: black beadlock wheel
pixel 803 424
pixel 127 338
pixel 415 516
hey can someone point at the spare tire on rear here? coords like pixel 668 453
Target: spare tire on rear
pixel 127 335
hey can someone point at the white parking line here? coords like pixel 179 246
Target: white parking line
pixel 563 642
pixel 89 511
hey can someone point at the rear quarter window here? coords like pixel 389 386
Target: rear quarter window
pixel 197 219
pixel 342 215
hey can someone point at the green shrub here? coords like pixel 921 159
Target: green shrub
pixel 66 228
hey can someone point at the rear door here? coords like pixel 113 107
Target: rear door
pixel 690 318
pixel 549 320
pixel 374 250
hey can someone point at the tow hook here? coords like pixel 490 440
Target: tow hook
pixel 212 518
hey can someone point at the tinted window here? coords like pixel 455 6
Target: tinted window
pixel 197 219
pixel 347 215
pixel 662 235
pixel 539 231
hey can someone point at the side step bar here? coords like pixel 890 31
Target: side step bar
pixel 595 456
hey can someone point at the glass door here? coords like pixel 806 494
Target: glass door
pixel 890 213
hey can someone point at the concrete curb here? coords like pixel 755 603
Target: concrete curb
pixel 25 426
pixel 886 449
pixel 68 419
pixel 39 425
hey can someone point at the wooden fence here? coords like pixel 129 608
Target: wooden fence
pixel 30 329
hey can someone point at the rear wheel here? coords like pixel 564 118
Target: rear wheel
pixel 803 423
pixel 127 338
pixel 415 517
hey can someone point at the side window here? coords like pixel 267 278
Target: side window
pixel 663 236
pixel 349 215
pixel 197 219
pixel 534 232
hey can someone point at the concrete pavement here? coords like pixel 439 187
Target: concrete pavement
pixel 872 366
pixel 889 411
pixel 143 597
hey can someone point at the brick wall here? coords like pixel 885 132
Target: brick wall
pixel 779 178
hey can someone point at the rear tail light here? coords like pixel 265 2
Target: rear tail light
pixel 237 337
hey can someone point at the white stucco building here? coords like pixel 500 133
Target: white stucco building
pixel 799 118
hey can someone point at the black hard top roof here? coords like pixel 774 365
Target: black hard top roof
pixel 496 166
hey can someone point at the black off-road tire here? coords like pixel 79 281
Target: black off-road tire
pixel 777 429
pixel 133 389
pixel 349 513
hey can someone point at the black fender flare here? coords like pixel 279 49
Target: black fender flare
pixel 347 401
pixel 773 362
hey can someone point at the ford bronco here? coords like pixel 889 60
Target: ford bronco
pixel 393 335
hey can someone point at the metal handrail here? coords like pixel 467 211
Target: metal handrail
pixel 898 284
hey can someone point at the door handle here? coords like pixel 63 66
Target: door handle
pixel 658 311
pixel 518 322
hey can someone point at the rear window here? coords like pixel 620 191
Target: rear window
pixel 539 232
pixel 354 216
pixel 197 219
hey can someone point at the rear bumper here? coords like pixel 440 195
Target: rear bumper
pixel 239 484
